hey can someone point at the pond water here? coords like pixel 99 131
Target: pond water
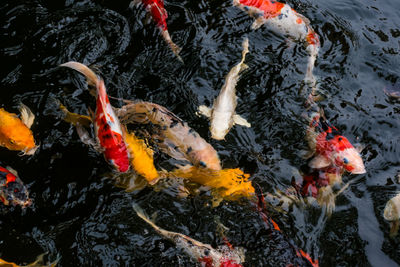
pixel 79 214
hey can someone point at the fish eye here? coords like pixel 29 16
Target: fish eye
pixel 12 142
pixel 345 160
pixel 203 164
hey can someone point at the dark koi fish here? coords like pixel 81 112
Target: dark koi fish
pixel 283 19
pixel 12 189
pixel 226 256
pixel 160 15
pixel 177 139
pixel 109 133
pixel 330 147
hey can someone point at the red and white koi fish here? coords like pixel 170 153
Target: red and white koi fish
pixel 283 19
pixel 12 189
pixel 222 114
pixel 160 15
pixel 109 133
pixel 15 133
pixel 177 139
pixel 330 147
pixel 203 253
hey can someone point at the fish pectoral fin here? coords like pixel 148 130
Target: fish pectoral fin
pixel 258 23
pixel 243 67
pixel 394 228
pixel 205 111
pixel 27 115
pixel 319 162
pixel 86 139
pixel 237 119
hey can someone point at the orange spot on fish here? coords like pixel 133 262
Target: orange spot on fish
pixel 299 21
pixel 271 8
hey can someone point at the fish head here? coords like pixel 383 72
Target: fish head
pixel 350 159
pixel 15 135
pixel 206 158
pixel 392 209
pixel 12 189
pixel 15 193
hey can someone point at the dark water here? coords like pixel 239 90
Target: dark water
pixel 79 213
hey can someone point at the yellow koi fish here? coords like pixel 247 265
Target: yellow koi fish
pixel 228 183
pixel 15 133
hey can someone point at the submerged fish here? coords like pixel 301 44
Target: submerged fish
pixel 177 139
pixel 160 15
pixel 298 256
pixel 109 133
pixel 391 213
pixel 330 147
pixel 222 114
pixel 393 91
pixel 15 133
pixel 227 183
pixel 37 263
pixel 203 253
pixel 12 189
pixel 283 19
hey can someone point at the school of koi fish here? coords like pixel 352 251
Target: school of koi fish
pixel 133 135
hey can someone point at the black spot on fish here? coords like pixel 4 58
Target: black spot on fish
pixel 329 136
pixel 190 149
pixel 203 164
pixel 340 138
pixel 3 175
pixel 173 123
pixel 164 128
pixel 280 16
pixel 154 110
pixel 106 136
pixel 206 252
pixel 192 132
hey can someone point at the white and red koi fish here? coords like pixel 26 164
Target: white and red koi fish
pixel 203 253
pixel 177 139
pixel 107 127
pixel 222 114
pixel 160 15
pixel 283 19
pixel 330 147
pixel 12 189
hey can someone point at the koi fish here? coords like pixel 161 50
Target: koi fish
pixel 316 179
pixel 109 134
pixel 37 263
pixel 283 19
pixel 12 189
pixel 177 139
pixel 330 147
pixel 15 133
pixel 203 253
pixel 228 183
pixel 391 213
pixel 160 15
pixel 222 114
pixel 393 91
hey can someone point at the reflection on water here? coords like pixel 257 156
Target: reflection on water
pixel 78 212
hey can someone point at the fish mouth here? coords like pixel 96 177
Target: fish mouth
pixel 29 152
pixel 359 170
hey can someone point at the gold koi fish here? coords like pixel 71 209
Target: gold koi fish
pixel 15 133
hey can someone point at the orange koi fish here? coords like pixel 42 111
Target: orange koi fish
pixel 228 183
pixel 15 133
pixel 283 19
pixel 12 189
pixel 177 139
pixel 160 15
pixel 109 133
pixel 330 147
pixel 203 253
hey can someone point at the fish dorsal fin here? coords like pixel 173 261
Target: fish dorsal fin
pixel 205 111
pixel 27 116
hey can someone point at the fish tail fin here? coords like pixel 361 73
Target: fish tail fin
pixel 245 45
pixel 174 47
pixel 141 213
pixel 27 115
pixel 91 77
